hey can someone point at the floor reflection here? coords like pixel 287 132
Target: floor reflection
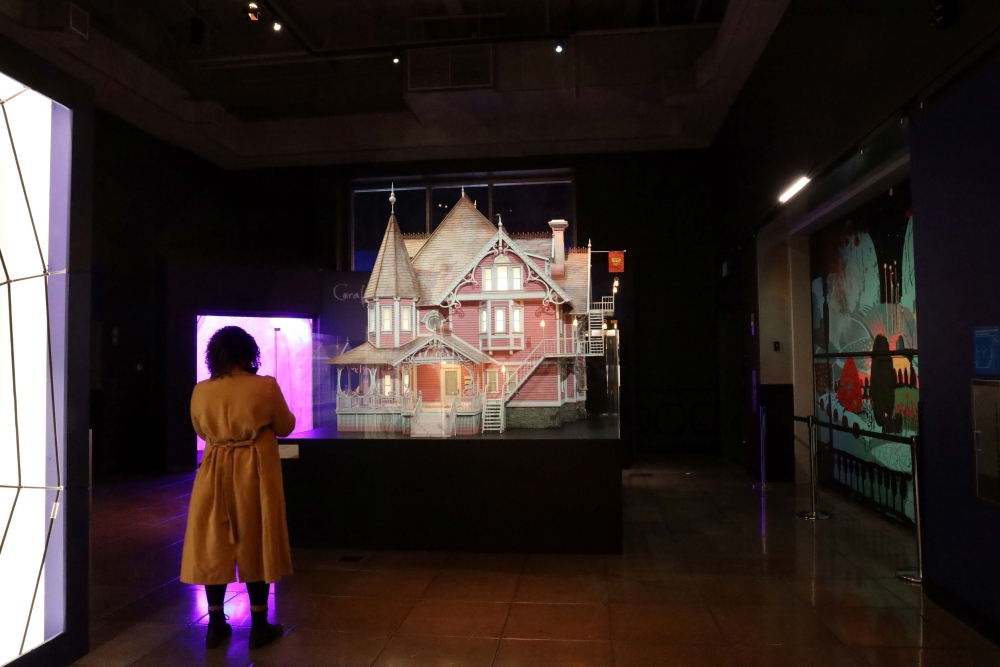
pixel 714 573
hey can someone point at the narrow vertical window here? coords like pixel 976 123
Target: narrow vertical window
pixel 484 321
pixel 404 319
pixel 387 318
pixel 487 280
pixel 491 382
pixel 515 320
pixel 515 278
pixel 499 314
pixel 406 381
pixel 502 278
pixel 387 382
pixel 371 320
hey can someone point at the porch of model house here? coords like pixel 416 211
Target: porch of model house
pixel 440 396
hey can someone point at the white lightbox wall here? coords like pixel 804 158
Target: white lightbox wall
pixel 35 145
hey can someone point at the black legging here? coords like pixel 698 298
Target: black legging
pixel 258 591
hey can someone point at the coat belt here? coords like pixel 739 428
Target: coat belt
pixel 225 481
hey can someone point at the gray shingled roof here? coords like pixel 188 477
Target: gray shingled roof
pixel 574 282
pixel 414 244
pixel 393 274
pixel 455 243
pixel 368 354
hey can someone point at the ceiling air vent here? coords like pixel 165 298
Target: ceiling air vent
pixel 451 67
pixel 79 21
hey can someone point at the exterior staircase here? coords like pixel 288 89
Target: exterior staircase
pixel 428 424
pixel 588 345
pixel 493 415
pixel 433 421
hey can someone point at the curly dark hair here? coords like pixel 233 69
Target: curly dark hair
pixel 230 348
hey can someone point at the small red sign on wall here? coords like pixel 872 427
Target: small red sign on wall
pixel 616 261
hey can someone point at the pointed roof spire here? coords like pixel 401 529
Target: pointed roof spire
pixel 392 197
pixel 392 274
pixel 463 190
pixel 499 221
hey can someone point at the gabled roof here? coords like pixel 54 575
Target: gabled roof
pixel 393 273
pixel 487 248
pixel 368 354
pixel 455 242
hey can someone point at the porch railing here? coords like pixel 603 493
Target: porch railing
pixel 451 426
pixel 470 403
pixel 605 305
pixel 367 402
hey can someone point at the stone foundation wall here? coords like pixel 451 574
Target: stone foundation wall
pixel 551 417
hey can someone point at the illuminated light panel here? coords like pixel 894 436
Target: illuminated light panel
pixel 35 145
pixel 292 365
pixel 794 189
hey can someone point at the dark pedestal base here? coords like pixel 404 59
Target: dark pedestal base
pixel 517 496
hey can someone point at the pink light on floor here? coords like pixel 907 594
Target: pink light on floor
pixel 285 353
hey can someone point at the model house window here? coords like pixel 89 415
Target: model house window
pixel 404 319
pixel 487 280
pixel 484 321
pixel 387 384
pixel 371 320
pixel 515 320
pixel 498 313
pixel 406 381
pixel 387 318
pixel 491 382
pixel 502 278
pixel 515 278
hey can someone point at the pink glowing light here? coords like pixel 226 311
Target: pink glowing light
pixel 291 338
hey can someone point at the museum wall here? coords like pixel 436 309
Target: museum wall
pixel 158 207
pixel 875 58
pixel 955 149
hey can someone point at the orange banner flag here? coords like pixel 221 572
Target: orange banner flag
pixel 616 261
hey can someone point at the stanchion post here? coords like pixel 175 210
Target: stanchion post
pixel 813 514
pixel 915 575
pixel 763 450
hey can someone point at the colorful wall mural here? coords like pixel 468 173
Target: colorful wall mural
pixel 865 362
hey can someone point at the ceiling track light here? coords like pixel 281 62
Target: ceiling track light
pixel 559 47
pixel 277 27
pixel 253 11
pixel 794 189
pixel 395 58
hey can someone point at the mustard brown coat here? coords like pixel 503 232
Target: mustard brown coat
pixel 237 516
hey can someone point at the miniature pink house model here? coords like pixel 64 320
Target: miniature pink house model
pixel 471 329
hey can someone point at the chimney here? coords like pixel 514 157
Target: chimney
pixel 558 247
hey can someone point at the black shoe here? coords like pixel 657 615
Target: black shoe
pixel 262 634
pixel 218 630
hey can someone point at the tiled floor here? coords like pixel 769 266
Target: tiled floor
pixel 712 575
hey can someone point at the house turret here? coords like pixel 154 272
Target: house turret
pixel 392 275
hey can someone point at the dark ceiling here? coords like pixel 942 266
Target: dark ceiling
pixel 332 58
pixel 475 78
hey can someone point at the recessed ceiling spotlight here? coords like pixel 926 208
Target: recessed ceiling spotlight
pixel 253 11
pixel 395 59
pixel 559 47
pixel 277 27
pixel 794 189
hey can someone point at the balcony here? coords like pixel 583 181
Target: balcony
pixel 504 341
